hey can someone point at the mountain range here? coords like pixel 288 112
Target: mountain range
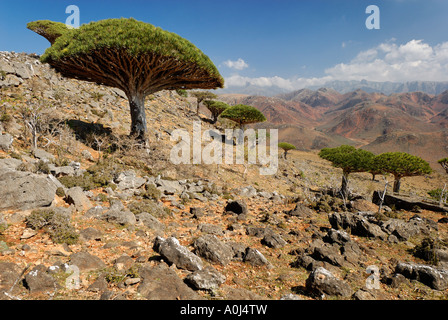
pixel 413 122
pixel 429 87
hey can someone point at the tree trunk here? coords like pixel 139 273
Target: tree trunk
pixel 138 117
pixel 397 184
pixel 344 185
pixel 286 152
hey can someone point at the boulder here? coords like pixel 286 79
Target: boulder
pixel 434 278
pixel 6 141
pixel 212 249
pixel 321 281
pixel 255 258
pixel 24 190
pixel 38 280
pixel 162 283
pixel 150 221
pixel 174 253
pixel 357 223
pixel 169 187
pixel 86 261
pixel 273 240
pixel 207 279
pixel 300 211
pixel 77 197
pixel 129 180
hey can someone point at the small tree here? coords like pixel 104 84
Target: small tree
pixel 350 160
pixel 202 96
pixel 216 108
pixel 136 57
pixel 243 114
pixel 286 147
pixel 401 164
pixel 444 163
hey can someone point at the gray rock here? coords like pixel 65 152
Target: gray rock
pixel 77 197
pixel 43 155
pixel 129 180
pixel 87 155
pixel 9 273
pixel 210 228
pixel 90 234
pixel 301 211
pixel 86 261
pixel 207 279
pixel 162 283
pixel 118 214
pixel 430 276
pixel 23 190
pixel 255 258
pixel 38 280
pixel 291 296
pixel 10 163
pixel 174 253
pixel 248 192
pixel 6 141
pixel 321 281
pixel 94 212
pixel 273 240
pixel 212 249
pixel 150 221
pixel 169 187
pixel 358 224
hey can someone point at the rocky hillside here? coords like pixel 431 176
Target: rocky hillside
pixel 88 215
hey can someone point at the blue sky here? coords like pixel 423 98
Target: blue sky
pixel 285 43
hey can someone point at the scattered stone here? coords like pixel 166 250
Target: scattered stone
pixel 77 197
pixel 255 258
pixel 211 229
pixel 6 141
pixel 357 224
pixel 120 216
pixel 207 279
pixel 430 276
pixel 301 211
pixel 28 233
pixel 99 285
pixel 129 180
pixel 162 283
pixel 273 240
pixel 212 249
pixel 174 253
pixel 90 234
pixel 197 212
pixel 150 221
pixel 38 280
pixel 291 296
pixel 43 155
pixel 86 261
pixel 24 190
pixel 321 281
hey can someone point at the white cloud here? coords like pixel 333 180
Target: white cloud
pixel 412 61
pixel 239 64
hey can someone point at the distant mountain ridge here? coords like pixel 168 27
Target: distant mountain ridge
pixel 429 87
pixel 414 122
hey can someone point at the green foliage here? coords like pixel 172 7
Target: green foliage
pixel 286 146
pixel 136 37
pixel 50 30
pixel 401 164
pixel 57 225
pixel 216 108
pixel 427 250
pixel 444 163
pixel 243 114
pixel 348 158
pixel 182 93
pixel 151 192
pixel 148 206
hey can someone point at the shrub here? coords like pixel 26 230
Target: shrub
pixel 426 250
pixel 57 225
pixel 151 192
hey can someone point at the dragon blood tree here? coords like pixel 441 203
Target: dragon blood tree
pixel 136 57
